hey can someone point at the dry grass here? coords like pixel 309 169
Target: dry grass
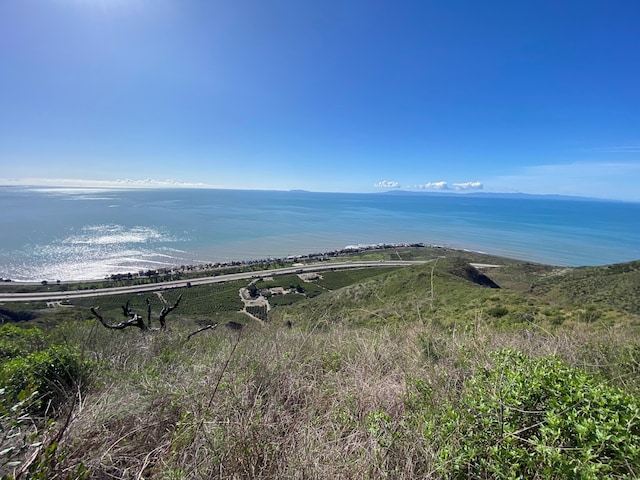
pixel 358 388
pixel 278 403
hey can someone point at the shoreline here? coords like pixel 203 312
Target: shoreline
pixel 209 266
pixel 91 237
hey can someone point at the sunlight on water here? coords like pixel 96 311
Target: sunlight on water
pixel 98 252
pixel 117 234
pixel 44 235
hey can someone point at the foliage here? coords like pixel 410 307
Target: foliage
pixel 399 295
pixel 539 418
pixel 19 313
pixel 278 281
pixel 38 377
pixel 16 341
pixel 402 400
pixel 614 286
pixel 618 363
pixel 53 373
pixel 260 312
pixel 207 299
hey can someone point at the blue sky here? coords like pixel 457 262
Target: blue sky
pixel 345 95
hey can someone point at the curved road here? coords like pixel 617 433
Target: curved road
pixel 155 287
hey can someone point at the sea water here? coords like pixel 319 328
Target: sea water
pixel 78 234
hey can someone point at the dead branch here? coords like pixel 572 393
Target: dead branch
pixel 135 320
pixel 166 310
pixel 208 327
pixel 148 313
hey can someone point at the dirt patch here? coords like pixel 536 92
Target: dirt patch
pixel 309 277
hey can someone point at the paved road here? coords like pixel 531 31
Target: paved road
pixel 155 287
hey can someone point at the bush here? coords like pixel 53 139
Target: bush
pixel 53 373
pixel 498 311
pixel 539 418
pixel 17 341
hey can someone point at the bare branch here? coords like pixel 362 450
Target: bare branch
pixel 148 313
pixel 126 311
pixel 166 310
pixel 135 320
pixel 208 327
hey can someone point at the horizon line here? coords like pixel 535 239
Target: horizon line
pixel 129 184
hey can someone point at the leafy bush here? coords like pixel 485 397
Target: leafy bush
pixel 53 373
pixel 539 418
pixel 16 341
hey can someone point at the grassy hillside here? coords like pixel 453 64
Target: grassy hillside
pixel 419 372
pixel 449 291
pixel 614 286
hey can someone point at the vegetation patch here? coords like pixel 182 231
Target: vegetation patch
pixel 539 418
pixel 614 286
pixel 334 280
pixel 50 374
pixel 16 315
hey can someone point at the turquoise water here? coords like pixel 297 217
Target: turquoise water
pixel 51 234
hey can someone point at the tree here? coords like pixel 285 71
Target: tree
pixel 253 290
pixel 136 320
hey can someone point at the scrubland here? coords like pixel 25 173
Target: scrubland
pixel 420 372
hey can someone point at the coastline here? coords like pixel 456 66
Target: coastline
pixel 200 269
pixel 89 236
pixel 164 273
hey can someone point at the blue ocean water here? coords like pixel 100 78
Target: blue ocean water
pixel 65 234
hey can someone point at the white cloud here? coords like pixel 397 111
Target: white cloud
pixel 85 183
pixel 386 184
pixel 468 186
pixel 434 186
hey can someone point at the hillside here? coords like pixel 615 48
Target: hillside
pixel 467 366
pixel 614 286
pixel 452 291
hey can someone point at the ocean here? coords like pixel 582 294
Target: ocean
pixel 81 234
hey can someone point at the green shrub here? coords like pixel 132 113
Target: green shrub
pixel 53 373
pixel 498 311
pixel 17 341
pixel 539 418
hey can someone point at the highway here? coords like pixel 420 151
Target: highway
pixel 158 287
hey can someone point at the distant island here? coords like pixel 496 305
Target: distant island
pixel 515 195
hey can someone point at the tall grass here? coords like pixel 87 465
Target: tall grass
pixel 271 402
pixel 418 373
